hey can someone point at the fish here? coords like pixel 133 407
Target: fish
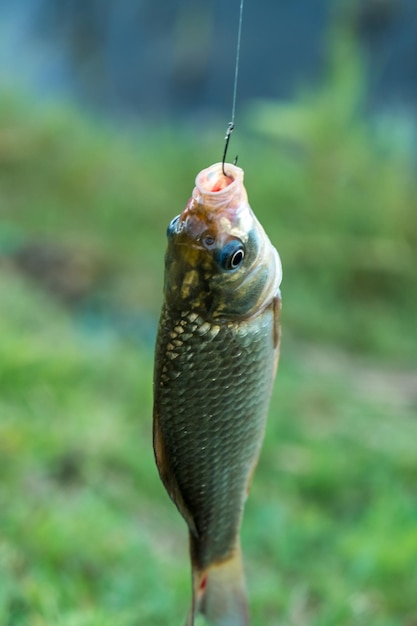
pixel 216 357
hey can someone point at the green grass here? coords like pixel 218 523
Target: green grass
pixel 88 536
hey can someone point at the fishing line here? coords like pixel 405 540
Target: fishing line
pixel 231 124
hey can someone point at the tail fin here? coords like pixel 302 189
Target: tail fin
pixel 220 594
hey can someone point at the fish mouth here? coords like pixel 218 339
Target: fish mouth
pixel 213 180
pixel 218 202
pixel 217 191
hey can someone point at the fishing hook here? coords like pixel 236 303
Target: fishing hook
pixel 230 127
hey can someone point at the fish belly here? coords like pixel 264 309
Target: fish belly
pixel 212 386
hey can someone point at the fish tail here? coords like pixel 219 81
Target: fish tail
pixel 219 593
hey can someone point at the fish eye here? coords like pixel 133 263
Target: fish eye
pixel 232 255
pixel 172 226
pixel 237 258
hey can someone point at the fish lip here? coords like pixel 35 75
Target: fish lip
pixel 225 211
pixel 212 174
pixel 230 196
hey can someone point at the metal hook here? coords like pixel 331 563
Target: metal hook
pixel 230 127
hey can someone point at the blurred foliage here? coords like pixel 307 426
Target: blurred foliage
pixel 345 198
pixel 335 191
pixel 88 536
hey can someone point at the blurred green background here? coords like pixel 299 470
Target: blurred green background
pixel 88 536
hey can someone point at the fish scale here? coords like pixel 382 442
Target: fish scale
pixel 203 396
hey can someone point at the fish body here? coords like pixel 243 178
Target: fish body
pixel 215 362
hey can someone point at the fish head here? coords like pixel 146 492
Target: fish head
pixel 219 261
